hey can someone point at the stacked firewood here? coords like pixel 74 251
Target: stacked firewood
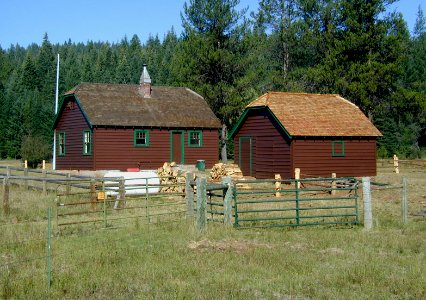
pixel 219 170
pixel 172 178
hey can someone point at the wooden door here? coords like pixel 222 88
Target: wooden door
pixel 246 156
pixel 177 149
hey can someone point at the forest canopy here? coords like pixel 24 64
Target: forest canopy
pixel 354 48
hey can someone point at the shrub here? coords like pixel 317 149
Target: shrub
pixel 34 149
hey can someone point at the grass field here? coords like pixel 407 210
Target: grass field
pixel 172 261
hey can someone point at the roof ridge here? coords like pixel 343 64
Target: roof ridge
pixel 346 100
pixel 191 91
pixel 109 83
pixel 303 93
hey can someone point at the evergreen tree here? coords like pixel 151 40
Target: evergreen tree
pixel 3 120
pixel 212 55
pixel 169 47
pixel 30 79
pixel 123 74
pixel 135 59
pixel 71 69
pixel 45 66
pixel 279 16
pixel 416 66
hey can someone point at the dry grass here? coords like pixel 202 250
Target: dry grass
pixel 133 260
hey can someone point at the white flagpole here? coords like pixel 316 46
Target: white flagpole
pixel 56 112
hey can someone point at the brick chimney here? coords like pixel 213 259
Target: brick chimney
pixel 145 83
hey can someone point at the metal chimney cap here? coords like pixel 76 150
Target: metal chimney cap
pixel 145 78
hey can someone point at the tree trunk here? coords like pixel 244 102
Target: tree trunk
pixel 223 139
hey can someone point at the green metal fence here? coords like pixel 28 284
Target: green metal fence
pixel 297 202
pixel 215 203
pixel 109 202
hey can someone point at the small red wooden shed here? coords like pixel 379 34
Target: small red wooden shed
pixel 319 133
pixel 121 126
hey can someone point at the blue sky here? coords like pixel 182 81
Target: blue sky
pixel 25 21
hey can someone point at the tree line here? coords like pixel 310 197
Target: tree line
pixel 355 48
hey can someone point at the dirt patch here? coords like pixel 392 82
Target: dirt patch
pixel 226 245
pixel 332 251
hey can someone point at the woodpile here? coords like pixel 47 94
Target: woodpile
pixel 172 178
pixel 219 170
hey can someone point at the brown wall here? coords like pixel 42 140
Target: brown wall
pixel 270 151
pixel 314 157
pixel 72 122
pixel 114 149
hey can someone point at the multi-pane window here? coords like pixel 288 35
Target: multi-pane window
pixel 61 143
pixel 195 138
pixel 87 142
pixel 338 148
pixel 141 138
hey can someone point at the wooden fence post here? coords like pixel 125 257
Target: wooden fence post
pixel 333 184
pixel 277 185
pixel 43 165
pixel 6 185
pixel 227 201
pixel 44 175
pixel 201 204
pixel 68 187
pixel 395 164
pixel 297 176
pixel 93 197
pixel 25 164
pixel 366 197
pixel 189 194
pixel 404 201
pixel 122 192
pixel 26 175
pixel 8 171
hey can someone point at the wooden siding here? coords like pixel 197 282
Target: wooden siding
pixel 314 157
pixel 270 148
pixel 114 149
pixel 245 158
pixel 208 152
pixel 72 122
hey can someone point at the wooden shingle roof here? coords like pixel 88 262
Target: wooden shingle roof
pixel 124 105
pixel 303 114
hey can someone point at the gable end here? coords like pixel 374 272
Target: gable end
pixel 63 106
pixel 244 116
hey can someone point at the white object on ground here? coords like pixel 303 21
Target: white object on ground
pixel 136 183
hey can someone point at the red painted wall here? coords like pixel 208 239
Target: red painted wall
pixel 270 151
pixel 72 122
pixel 114 149
pixel 314 157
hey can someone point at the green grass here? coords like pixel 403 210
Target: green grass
pixel 133 260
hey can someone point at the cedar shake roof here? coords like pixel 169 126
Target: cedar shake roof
pixel 124 105
pixel 303 114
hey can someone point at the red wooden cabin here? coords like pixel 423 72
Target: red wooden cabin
pixel 121 126
pixel 320 134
